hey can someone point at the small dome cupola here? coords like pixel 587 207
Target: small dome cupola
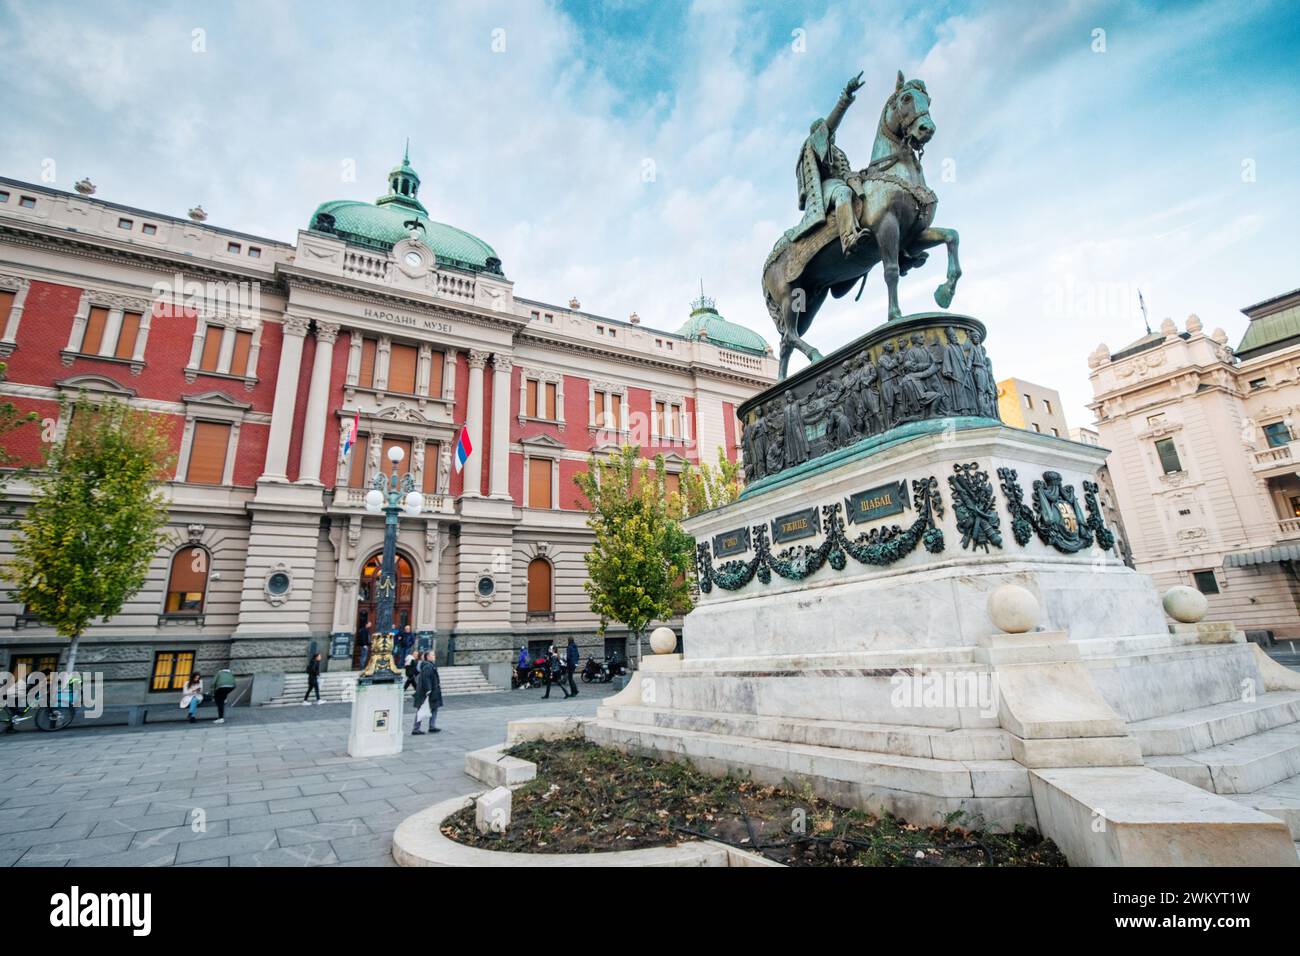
pixel 706 325
pixel 403 184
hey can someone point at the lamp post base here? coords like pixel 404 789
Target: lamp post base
pixel 376 720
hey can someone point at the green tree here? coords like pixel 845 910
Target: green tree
pixel 706 487
pixel 639 564
pixel 84 545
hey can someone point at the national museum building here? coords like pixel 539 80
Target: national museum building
pixel 261 355
pixel 1205 462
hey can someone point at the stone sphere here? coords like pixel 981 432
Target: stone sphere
pixel 1185 604
pixel 1014 609
pixel 663 640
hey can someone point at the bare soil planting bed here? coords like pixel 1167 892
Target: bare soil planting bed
pixel 588 799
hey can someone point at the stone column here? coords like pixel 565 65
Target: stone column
pixel 313 438
pixel 474 422
pixel 112 329
pixel 286 393
pixel 499 476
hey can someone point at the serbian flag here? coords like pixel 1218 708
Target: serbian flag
pixel 463 448
pixel 352 434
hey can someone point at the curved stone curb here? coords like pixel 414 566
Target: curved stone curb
pixel 418 841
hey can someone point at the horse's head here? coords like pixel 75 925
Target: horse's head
pixel 906 117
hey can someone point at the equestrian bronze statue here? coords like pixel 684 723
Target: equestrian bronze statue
pixel 854 219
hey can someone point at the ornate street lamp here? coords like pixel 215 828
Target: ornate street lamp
pixel 391 495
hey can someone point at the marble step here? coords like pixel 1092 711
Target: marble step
pixel 922 790
pixel 1205 727
pixel 901 740
pixel 1241 767
pixel 1281 800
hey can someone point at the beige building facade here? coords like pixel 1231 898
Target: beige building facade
pixel 1031 406
pixel 1205 463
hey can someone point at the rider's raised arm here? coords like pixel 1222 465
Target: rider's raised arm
pixel 843 103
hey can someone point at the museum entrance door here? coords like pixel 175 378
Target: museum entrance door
pixel 368 598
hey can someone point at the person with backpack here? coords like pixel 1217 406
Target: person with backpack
pixel 222 686
pixel 522 666
pixel 554 673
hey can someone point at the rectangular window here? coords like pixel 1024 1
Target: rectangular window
pixel 1029 400
pixel 534 315
pixel 530 398
pixel 432 455
pixel 1276 433
pixel 599 402
pixel 125 224
pixel 366 377
pixel 615 411
pixel 402 360
pixel 549 411
pixel 1258 383
pixel 149 229
pixel 1034 426
pixel 208 453
pixel 254 252
pixel 405 465
pixel 539 483
pixel 94 337
pixel 357 477
pixel 23 664
pixel 600 330
pixel 211 348
pixel 1205 582
pixel 435 375
pixel 6 303
pixel 1295 506
pixel 27 202
pixel 1047 404
pixel 239 358
pixel 4 196
pixel 232 248
pixel 659 418
pixel 1168 456
pixel 127 336
pixel 672 483
pixel 171 669
pixel 1056 432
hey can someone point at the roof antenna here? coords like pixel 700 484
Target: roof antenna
pixel 1145 320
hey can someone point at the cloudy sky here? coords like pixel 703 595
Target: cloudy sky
pixel 623 152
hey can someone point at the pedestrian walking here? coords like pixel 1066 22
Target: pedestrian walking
pixel 554 673
pixel 571 664
pixel 222 685
pixel 412 672
pixel 192 695
pixel 428 695
pixel 313 680
pixel 363 643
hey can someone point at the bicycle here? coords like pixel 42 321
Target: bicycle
pixel 48 718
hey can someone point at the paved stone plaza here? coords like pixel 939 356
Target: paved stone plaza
pixel 272 786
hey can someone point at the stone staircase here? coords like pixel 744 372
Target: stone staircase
pixel 338 687
pixel 1228 723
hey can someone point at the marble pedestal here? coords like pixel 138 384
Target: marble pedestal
pixel 875 675
pixel 376 720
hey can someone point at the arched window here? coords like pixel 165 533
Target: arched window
pixel 539 586
pixel 187 584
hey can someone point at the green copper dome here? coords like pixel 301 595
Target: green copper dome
pixel 706 324
pixel 391 218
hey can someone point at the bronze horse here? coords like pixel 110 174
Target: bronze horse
pixel 892 202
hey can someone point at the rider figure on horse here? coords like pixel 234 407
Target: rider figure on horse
pixel 823 172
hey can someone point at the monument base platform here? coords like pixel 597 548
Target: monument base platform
pixel 843 640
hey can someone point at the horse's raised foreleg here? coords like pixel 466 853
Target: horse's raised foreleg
pixel 802 302
pixel 886 232
pixel 933 236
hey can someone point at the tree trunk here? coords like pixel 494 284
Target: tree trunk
pixel 71 665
